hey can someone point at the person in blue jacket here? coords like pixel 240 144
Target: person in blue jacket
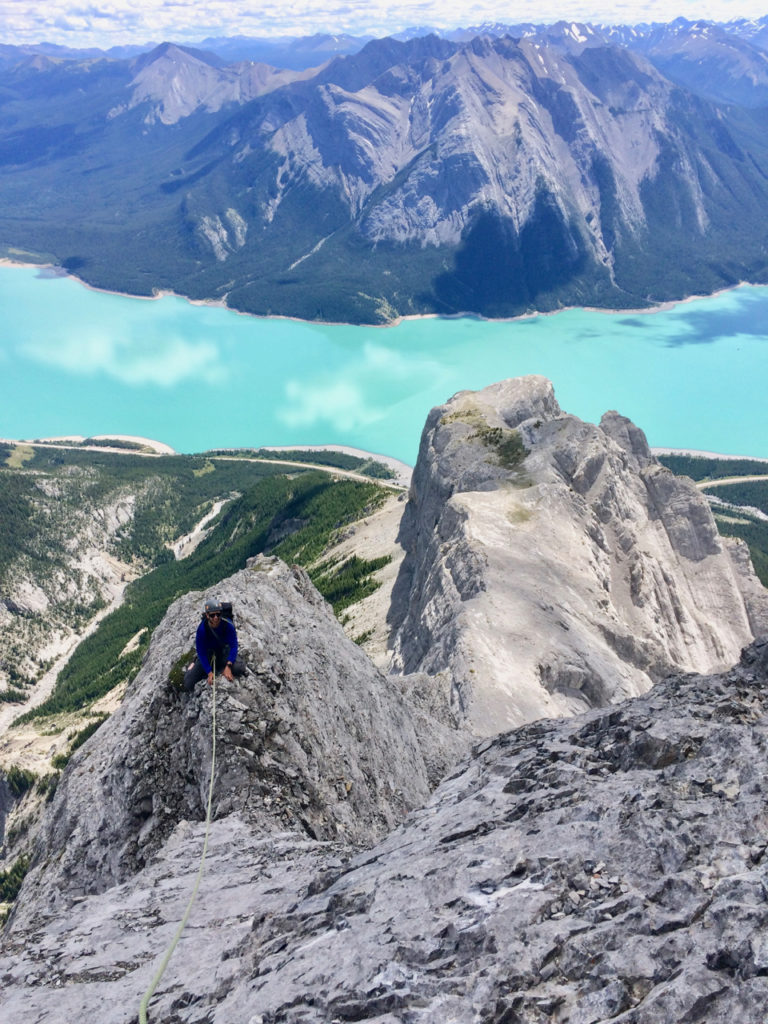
pixel 216 645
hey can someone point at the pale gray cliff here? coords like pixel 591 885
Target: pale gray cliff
pixel 554 565
pixel 172 82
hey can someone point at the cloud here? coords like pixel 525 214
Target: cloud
pixel 66 24
pixel 361 393
pixel 340 403
pixel 117 22
pixel 130 359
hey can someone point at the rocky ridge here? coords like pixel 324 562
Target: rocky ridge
pixel 608 866
pixel 172 82
pixel 489 175
pixel 553 565
pixel 611 866
pixel 305 742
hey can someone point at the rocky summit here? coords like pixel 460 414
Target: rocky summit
pixel 554 565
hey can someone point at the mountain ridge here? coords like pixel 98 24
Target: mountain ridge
pixel 644 899
pixel 495 176
pixel 620 576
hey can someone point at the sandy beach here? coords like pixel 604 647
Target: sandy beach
pixel 76 440
pixel 402 470
pixel 696 454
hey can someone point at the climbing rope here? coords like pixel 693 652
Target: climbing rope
pixel 161 970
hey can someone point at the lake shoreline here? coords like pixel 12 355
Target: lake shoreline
pixel 401 468
pixel 160 293
pixel 694 453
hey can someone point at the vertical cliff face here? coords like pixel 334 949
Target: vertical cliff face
pixel 553 565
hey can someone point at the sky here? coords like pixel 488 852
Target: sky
pixel 119 22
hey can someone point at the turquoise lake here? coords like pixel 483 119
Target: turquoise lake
pixel 76 361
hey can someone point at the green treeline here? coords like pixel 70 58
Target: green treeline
pixel 172 492
pixel 349 582
pixel 699 467
pixel 15 515
pixel 115 442
pixel 10 881
pixel 756 536
pixel 312 507
pixel 328 507
pixel 752 494
pixel 19 780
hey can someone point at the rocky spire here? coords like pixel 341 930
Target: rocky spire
pixel 554 565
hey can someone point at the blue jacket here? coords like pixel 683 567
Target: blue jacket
pixel 219 643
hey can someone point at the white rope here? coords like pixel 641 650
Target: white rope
pixel 161 970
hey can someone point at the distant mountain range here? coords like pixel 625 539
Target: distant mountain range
pixel 303 52
pixel 499 170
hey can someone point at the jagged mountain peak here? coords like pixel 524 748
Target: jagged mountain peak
pixel 177 53
pixel 177 81
pixel 378 56
pixel 611 569
pixel 577 31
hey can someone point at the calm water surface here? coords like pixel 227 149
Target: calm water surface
pixel 75 361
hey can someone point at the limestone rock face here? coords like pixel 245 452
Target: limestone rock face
pixel 755 594
pixel 312 740
pixel 606 867
pixel 553 565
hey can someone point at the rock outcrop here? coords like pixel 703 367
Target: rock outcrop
pixel 553 565
pixel 606 867
pixel 313 740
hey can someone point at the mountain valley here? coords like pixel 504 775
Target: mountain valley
pixel 498 754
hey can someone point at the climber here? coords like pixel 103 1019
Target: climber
pixel 216 644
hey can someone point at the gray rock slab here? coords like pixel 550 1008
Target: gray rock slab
pixel 607 867
pixel 313 739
